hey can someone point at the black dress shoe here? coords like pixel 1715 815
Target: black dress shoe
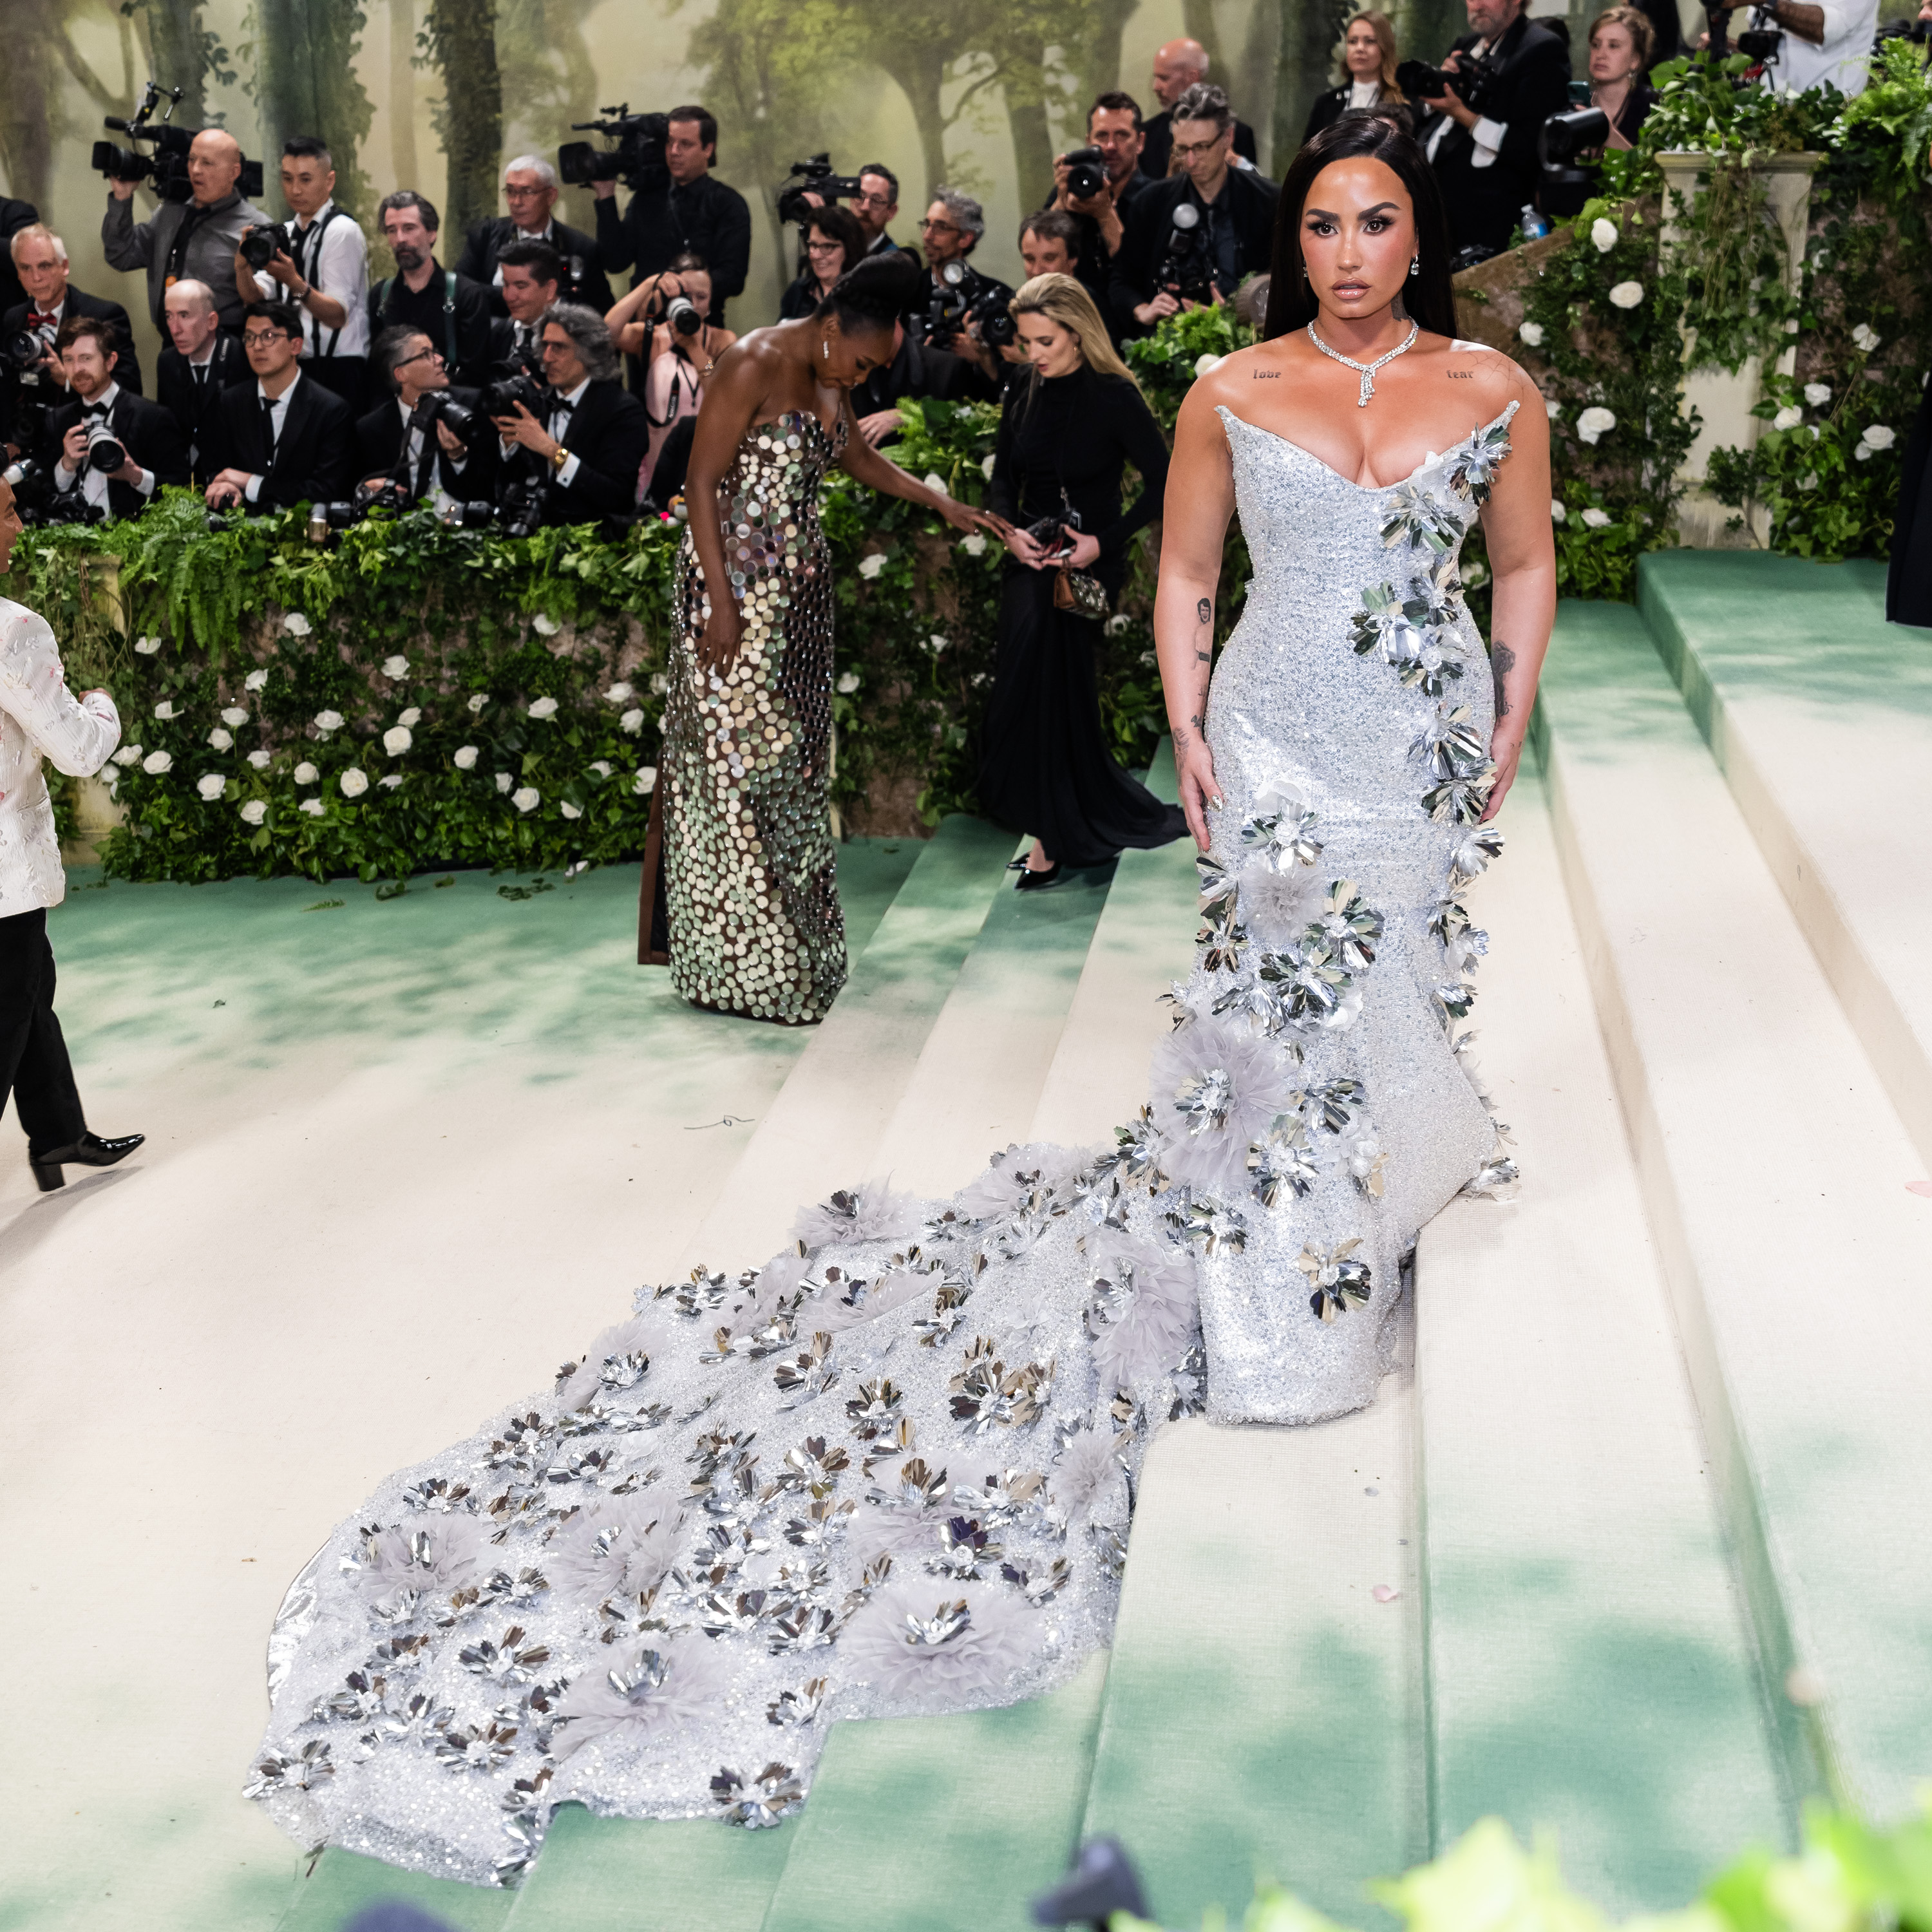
pixel 1039 882
pixel 1019 865
pixel 90 1150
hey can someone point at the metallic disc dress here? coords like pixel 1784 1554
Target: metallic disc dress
pixel 889 1471
pixel 745 840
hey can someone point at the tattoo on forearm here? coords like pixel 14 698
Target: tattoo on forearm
pixel 1205 611
pixel 1199 722
pixel 1502 661
pixel 1204 657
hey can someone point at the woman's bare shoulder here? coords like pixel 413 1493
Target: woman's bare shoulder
pixel 1493 377
pixel 1229 382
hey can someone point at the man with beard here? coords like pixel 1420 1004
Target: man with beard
pixel 453 311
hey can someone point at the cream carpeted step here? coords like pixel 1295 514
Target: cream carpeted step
pixel 1775 1173
pixel 1590 1670
pixel 1820 714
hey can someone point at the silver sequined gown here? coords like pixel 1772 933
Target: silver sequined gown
pixel 745 841
pixel 889 1471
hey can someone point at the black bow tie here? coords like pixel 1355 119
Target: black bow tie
pixel 95 409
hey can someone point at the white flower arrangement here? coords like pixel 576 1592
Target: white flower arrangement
pixel 128 755
pixel 253 811
pixel 397 739
pixel 987 466
pixel 326 721
pixel 526 798
pixel 1206 365
pixel 477 702
pixel 646 781
pixel 1595 423
pixel 211 785
pixel 1558 514
pixel 1789 417
pixel 464 759
pixel 306 773
pixel 631 723
pixel 846 684
pixel 256 680
pixel 936 644
pixel 1117 626
pixel 974 543
pixel 545 625
pixel 618 694
pixel 147 646
pixel 570 811
pixel 1627 295
pixel 543 707
pixel 156 763
pixel 411 719
pixel 869 567
pixel 1865 337
pixel 222 739
pixel 1552 409
pixel 390 780
pixel 355 781
pixel 1817 394
pixel 296 624
pixel 1880 436
pixel 504 781
pixel 1531 333
pixel 260 760
pixel 660 685
pixel 935 483
pixel 235 714
pixel 397 666
pixel 165 709
pixel 602 767
pixel 313 807
pixel 1594 519
pixel 1604 234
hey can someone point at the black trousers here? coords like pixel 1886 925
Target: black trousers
pixel 34 1065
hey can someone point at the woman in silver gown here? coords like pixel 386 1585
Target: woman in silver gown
pixel 889 1472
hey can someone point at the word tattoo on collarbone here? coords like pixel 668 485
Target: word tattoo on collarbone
pixel 1460 375
pixel 1268 376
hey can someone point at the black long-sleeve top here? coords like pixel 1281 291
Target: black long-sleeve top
pixel 1079 432
pixel 705 217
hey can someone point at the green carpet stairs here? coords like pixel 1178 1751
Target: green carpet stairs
pixel 1629 1548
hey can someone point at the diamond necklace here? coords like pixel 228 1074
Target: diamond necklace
pixel 1366 371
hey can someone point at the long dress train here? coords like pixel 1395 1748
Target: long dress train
pixel 890 1471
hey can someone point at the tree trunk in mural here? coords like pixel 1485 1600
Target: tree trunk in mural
pixel 1102 66
pixel 178 51
pixel 1198 17
pixel 29 103
pixel 402 166
pixel 306 84
pixel 1426 29
pixel 917 65
pixel 461 37
pixel 1026 115
pixel 1255 84
pixel 1309 30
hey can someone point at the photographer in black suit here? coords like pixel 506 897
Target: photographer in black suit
pixel 428 460
pixel 104 419
pixel 530 187
pixel 1486 161
pixel 39 258
pixel 199 363
pixel 281 439
pixel 531 282
pixel 594 435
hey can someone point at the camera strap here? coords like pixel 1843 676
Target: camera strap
pixel 307 260
pixel 388 282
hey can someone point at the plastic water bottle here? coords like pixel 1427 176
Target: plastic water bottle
pixel 1534 227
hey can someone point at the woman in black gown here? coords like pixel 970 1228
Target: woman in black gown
pixel 1069 429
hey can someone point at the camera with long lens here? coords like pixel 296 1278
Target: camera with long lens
pixel 990 317
pixel 520 506
pixel 1086 174
pixel 683 316
pixel 436 406
pixel 1187 270
pixel 637 160
pixel 469 516
pixel 39 502
pixel 381 492
pixel 511 383
pixel 166 167
pixel 950 303
pixel 106 452
pixel 1474 83
pixel 262 243
pixel 26 349
pixel 1561 142
pixel 813 177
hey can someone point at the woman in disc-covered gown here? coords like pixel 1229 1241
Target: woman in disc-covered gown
pixel 889 1472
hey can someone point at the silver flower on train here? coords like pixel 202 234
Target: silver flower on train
pixel 1217 1088
pixel 1338 1279
pixel 767 1799
pixel 1473 471
pixel 1469 857
pixel 1283 1159
pixel 301 1770
pixel 872 1212
pixel 619 1545
pixel 1145 1308
pixel 1452 748
pixel 1348 926
pixel 683 1681
pixel 1088 1477
pixel 925 1645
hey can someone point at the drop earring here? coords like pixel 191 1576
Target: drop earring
pixel 825 347
pixel 1415 265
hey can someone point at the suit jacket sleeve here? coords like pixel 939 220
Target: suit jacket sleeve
pixel 1131 281
pixel 474 261
pixel 125 245
pixel 617 236
pixel 473 335
pixel 731 257
pixel 75 735
pixel 608 467
pixel 163 448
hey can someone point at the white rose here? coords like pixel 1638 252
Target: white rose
pixel 935 643
pixel 128 755
pixel 870 566
pixel 1604 234
pixel 397 740
pixel 933 482
pixel 1817 394
pixel 987 468
pixel 646 781
pixel 1558 514
pixel 313 806
pixel 504 781
pixel 156 763
pixel 1206 365
pixel 390 780
pixel 253 811
pixel 526 798
pixel 1593 423
pixel 477 702
pixel 545 627
pixel 1118 625
pixel 847 684
pixel 465 759
pixel 296 624
pixel 570 811
pixel 147 646
pixel 222 740
pixel 1788 418
pixel 1627 295
pixel 632 722
pixel 306 773
pixel 328 721
pixel 1863 453
pixel 256 680
pixel 602 767
pixel 660 685
pixel 543 707
pixel 165 709
pixel 397 666
pixel 211 785
pixel 1865 336
pixel 235 714
pixel 354 782
pixel 1879 435
pixel 1531 333
pixel 411 719
pixel 1594 519
pixel 260 760
pixel 618 694
pixel 975 544
pixel 1552 410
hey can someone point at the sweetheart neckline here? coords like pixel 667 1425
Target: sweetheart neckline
pixel 1368 489
pixel 831 435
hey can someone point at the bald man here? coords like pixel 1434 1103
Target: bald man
pixel 1177 66
pixel 192 241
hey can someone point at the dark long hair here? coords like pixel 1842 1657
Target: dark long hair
pixel 1429 295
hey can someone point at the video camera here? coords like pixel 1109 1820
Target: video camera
pixel 1474 83
pixel 961 298
pixel 1760 41
pixel 1566 184
pixel 813 177
pixel 166 167
pixel 1086 174
pixel 637 160
pixel 1186 271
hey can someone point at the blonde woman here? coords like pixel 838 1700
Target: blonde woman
pixel 1367 73
pixel 1068 432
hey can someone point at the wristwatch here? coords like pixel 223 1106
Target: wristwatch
pixel 559 457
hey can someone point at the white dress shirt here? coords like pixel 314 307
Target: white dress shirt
pixel 40 718
pixel 558 423
pixel 1487 134
pixel 278 414
pixel 1844 58
pixel 412 445
pixel 337 265
pixel 93 482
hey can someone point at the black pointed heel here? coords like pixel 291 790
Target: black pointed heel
pixel 1039 882
pixel 90 1150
